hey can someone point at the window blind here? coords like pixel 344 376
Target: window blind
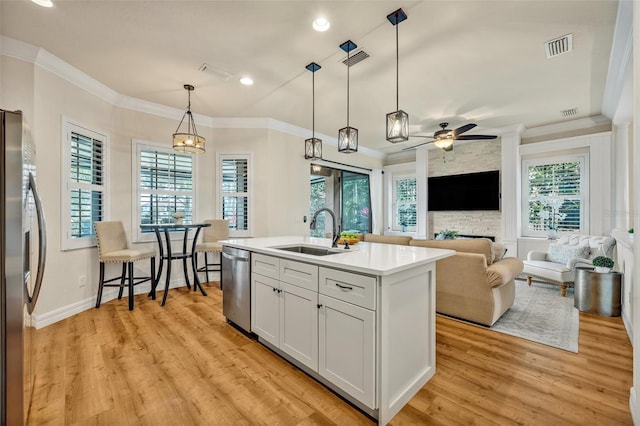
pixel 86 180
pixel 235 192
pixel 555 196
pixel 166 186
pixel 405 212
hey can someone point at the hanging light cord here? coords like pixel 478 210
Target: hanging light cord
pixel 191 124
pixel 397 68
pixel 348 66
pixel 313 105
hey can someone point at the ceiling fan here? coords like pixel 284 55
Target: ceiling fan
pixel 444 138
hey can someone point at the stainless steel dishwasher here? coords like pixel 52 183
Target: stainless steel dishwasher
pixel 236 287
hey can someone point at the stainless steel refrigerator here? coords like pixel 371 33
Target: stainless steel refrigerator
pixel 22 259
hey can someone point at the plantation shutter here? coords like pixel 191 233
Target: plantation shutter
pixel 556 194
pixel 405 196
pixel 166 186
pixel 235 192
pixel 86 184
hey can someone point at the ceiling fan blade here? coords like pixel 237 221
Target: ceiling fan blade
pixel 415 146
pixel 460 130
pixel 421 136
pixel 474 137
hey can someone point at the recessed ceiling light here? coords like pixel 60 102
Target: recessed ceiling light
pixel 43 3
pixel 247 81
pixel 321 24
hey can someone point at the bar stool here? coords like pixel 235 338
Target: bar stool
pixel 218 231
pixel 113 247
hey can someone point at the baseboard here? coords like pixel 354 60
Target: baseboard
pixel 48 318
pixel 628 325
pixel 633 406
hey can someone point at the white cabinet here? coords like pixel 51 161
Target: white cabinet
pixel 299 324
pixel 283 314
pixel 347 348
pixel 265 308
pixel 366 332
pixel 321 317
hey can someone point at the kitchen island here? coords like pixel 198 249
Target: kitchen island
pixel 361 321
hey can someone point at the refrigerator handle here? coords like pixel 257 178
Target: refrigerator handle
pixel 42 245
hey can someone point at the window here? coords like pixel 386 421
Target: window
pixel 84 185
pixel 165 185
pixel 234 174
pixel 554 195
pixel 356 202
pixel 404 211
pixel 318 196
pixel 346 193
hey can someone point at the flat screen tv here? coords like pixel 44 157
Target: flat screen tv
pixel 471 191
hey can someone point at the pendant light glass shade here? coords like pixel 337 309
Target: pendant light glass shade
pixel 188 141
pixel 348 136
pixel 313 145
pixel 397 126
pixel 313 149
pixel 348 140
pixel 397 121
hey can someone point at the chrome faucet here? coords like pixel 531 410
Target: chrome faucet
pixel 336 236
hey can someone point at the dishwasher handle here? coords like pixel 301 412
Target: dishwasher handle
pixel 237 258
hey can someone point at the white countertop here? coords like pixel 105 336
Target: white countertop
pixel 368 258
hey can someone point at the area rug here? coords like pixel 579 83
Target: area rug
pixel 540 314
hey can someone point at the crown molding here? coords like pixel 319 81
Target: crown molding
pixel 46 60
pixel 18 49
pixel 565 126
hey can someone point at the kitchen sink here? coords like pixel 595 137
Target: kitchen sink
pixel 312 250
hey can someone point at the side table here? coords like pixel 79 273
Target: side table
pixel 597 293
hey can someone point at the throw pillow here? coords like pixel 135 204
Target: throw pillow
pixel 499 250
pixel 561 253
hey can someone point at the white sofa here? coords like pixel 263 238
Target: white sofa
pixel 558 263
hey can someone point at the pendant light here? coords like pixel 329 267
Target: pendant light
pixel 188 142
pixel 313 146
pixel 397 121
pixel 348 136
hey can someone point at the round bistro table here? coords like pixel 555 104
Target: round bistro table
pixel 184 255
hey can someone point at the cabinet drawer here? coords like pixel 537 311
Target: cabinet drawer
pixel 300 274
pixel 265 265
pixel 353 288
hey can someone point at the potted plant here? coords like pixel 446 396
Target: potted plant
pixel 447 235
pixel 603 264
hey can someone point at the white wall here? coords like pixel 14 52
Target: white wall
pixel 280 185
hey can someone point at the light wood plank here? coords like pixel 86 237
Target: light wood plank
pixel 183 364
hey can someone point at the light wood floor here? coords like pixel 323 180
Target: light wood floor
pixel 182 364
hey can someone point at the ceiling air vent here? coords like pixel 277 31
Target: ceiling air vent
pixel 355 58
pixel 224 75
pixel 559 45
pixel 569 112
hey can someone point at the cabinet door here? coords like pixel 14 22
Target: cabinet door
pixel 347 348
pixel 265 308
pixel 301 274
pixel 267 266
pixel 299 324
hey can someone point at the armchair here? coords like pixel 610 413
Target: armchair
pixel 558 264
